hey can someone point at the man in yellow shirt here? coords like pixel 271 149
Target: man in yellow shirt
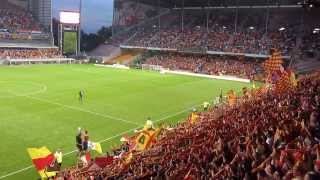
pixel 206 105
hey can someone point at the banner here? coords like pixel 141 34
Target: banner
pixel 41 159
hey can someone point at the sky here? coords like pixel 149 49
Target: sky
pixel 95 13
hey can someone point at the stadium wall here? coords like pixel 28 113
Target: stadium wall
pixel 184 73
pixel 222 77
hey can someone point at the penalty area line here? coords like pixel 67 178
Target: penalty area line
pixel 79 109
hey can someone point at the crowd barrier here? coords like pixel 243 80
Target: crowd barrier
pixel 44 60
pixel 116 66
pixel 164 71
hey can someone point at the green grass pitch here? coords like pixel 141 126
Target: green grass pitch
pixel 39 106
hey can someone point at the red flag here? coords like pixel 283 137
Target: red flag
pixel 88 156
pixel 103 161
pixel 41 157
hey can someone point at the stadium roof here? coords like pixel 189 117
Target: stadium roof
pixel 221 3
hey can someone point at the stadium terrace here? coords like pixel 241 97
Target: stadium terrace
pixel 170 89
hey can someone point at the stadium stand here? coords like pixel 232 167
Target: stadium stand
pixel 270 135
pixel 220 33
pixel 212 65
pixel 25 53
pixel 16 23
pixel 22 36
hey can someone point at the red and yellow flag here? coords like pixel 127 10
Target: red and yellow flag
pixel 194 117
pixel 274 63
pixel 41 159
pixel 286 82
pixel 145 139
pixel 232 97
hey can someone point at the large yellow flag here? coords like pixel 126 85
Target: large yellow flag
pixel 145 139
pixel 41 159
pixel 141 141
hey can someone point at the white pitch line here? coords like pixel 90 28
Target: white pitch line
pixel 42 90
pixel 79 109
pixel 102 141
pixel 16 172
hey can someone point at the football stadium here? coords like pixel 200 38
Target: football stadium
pixel 168 89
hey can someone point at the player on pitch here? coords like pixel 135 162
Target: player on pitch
pixel 81 96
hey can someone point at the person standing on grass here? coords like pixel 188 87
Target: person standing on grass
pixel 79 140
pixel 81 96
pixel 58 157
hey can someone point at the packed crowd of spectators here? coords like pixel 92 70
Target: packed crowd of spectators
pixel 15 19
pixel 270 136
pixel 17 23
pixel 220 34
pixel 217 39
pixel 24 53
pixel 212 65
